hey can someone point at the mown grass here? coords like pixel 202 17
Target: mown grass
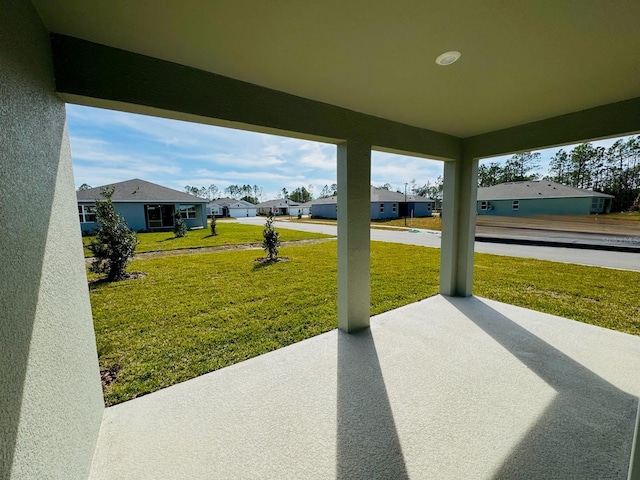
pixel 427 223
pixel 194 314
pixel 228 234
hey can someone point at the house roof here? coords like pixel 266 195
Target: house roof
pixel 228 202
pixel 278 202
pixel 378 195
pixel 534 189
pixel 136 190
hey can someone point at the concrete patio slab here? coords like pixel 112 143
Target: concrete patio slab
pixel 446 388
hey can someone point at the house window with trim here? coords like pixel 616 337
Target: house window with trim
pixel 484 205
pixel 597 203
pixel 382 208
pixel 394 207
pixel 515 205
pixel 187 211
pixel 87 213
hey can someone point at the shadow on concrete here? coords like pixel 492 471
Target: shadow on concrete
pixel 586 432
pixel 367 443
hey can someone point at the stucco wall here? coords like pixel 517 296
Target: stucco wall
pixel 324 210
pixel 541 206
pixel 50 396
pixel 388 210
pixel 242 212
pixel 420 209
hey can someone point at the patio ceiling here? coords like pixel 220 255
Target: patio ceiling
pixel 521 61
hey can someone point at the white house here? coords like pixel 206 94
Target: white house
pixel 230 207
pixel 283 206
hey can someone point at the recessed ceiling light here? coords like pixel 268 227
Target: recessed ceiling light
pixel 447 58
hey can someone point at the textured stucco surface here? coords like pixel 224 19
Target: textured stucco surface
pixel 50 396
pixel 446 388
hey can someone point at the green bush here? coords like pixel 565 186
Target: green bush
pixel 271 242
pixel 214 226
pixel 179 226
pixel 114 244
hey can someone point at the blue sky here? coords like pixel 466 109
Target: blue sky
pixel 109 146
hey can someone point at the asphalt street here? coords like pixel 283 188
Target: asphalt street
pixel 598 258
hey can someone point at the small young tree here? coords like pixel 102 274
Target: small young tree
pixel 114 243
pixel 271 242
pixel 179 226
pixel 214 226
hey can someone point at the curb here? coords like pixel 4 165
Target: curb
pixel 551 243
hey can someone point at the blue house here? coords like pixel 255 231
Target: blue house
pixel 540 197
pixel 385 204
pixel 143 205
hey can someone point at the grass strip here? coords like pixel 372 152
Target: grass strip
pixel 228 234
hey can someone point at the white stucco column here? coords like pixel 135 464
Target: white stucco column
pixel 354 200
pixel 458 227
pixel 51 402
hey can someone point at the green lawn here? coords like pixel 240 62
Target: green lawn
pixel 428 223
pixel 193 314
pixel 228 234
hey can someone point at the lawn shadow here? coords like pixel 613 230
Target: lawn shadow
pixel 263 262
pixel 367 439
pixel 586 432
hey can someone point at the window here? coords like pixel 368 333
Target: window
pixel 484 205
pixel 515 205
pixel 87 213
pixel 187 211
pixel 382 208
pixel 597 203
pixel 394 207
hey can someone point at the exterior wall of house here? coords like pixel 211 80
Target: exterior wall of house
pixel 538 206
pixel 420 209
pixel 377 214
pixel 134 215
pixel 51 402
pixel 242 212
pixel 324 210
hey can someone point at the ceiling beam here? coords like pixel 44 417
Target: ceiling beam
pixel 98 75
pixel 612 120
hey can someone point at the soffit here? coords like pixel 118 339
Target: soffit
pixel 522 61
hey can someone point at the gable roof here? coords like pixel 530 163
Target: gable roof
pixel 136 190
pixel 228 202
pixel 379 195
pixel 534 189
pixel 278 202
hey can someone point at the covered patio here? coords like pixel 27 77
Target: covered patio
pixel 445 388
pixel 450 387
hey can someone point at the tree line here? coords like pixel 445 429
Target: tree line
pixel 614 170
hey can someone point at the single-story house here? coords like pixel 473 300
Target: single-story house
pixel 384 204
pixel 282 206
pixel 230 207
pixel 540 197
pixel 143 205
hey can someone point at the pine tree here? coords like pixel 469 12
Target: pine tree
pixel 271 242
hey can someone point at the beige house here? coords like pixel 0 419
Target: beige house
pixel 452 387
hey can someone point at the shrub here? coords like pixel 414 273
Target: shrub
pixel 114 244
pixel 271 242
pixel 179 226
pixel 214 226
